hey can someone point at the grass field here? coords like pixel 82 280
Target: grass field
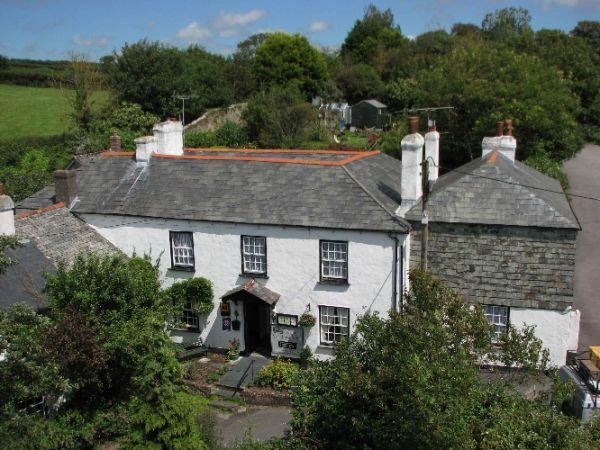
pixel 37 112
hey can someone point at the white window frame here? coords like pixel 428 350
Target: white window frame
pixel 252 256
pixel 181 253
pixel 334 324
pixel 499 317
pixel 333 260
pixel 189 317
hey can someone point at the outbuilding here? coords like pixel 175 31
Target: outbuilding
pixel 369 114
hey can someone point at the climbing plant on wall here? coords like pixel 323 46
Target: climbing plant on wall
pixel 197 291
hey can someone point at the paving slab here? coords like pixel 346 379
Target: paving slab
pixel 243 371
pixel 261 422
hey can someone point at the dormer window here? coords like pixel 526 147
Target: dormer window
pixel 254 255
pixel 182 250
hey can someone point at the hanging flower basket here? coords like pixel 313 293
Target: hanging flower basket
pixel 307 320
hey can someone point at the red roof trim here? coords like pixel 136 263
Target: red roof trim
pixel 37 212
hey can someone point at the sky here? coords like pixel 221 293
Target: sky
pixel 51 29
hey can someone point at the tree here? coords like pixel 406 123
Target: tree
pixel 465 30
pixel 412 381
pixel 589 31
pixel 84 79
pixel 359 82
pixel 151 73
pixel 279 118
pixel 26 373
pixel 507 24
pixel 4 62
pixel 374 31
pixel 289 60
pixel 486 83
pixel 241 73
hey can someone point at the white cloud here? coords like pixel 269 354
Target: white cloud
pixel 194 33
pixel 572 3
pixel 318 26
pixel 98 41
pixel 238 20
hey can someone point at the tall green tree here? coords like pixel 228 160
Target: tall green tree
pixel 290 60
pixel 376 30
pixel 589 31
pixel 507 24
pixel 487 83
pixel 359 82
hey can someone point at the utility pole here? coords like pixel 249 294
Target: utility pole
pixel 424 217
pixel 425 184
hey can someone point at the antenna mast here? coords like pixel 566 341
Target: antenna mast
pixel 183 98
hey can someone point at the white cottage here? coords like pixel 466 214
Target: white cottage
pixel 329 233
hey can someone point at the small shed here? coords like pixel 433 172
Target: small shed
pixel 369 114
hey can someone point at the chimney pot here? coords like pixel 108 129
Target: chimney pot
pixel 509 127
pixel 413 124
pixel 115 143
pixel 500 128
pixel 411 188
pixel 65 186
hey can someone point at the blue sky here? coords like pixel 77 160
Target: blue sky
pixel 50 29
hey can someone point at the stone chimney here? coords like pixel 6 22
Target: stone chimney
pixel 169 135
pixel 412 155
pixel 65 186
pixel 506 144
pixel 7 214
pixel 115 142
pixel 432 152
pixel 144 147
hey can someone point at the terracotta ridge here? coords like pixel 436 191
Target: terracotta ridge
pixel 312 162
pixel 37 212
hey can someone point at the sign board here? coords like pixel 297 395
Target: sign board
pixel 226 324
pixel 286 341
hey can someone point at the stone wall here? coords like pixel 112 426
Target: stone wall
pixel 501 265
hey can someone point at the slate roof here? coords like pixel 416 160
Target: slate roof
pixel 376 103
pixel 61 236
pixel 49 236
pixel 340 190
pixel 255 289
pixel 472 194
pixel 23 281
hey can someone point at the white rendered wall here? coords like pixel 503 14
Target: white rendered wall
pixel 558 330
pixel 292 266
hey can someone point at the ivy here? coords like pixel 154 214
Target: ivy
pixel 198 291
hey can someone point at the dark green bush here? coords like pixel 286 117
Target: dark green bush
pixel 231 135
pixel 279 374
pixel 204 139
pixel 198 291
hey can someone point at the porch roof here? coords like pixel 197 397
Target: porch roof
pixel 253 288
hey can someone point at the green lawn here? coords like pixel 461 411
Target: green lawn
pixel 37 112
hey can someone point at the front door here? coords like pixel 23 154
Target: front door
pixel 257 326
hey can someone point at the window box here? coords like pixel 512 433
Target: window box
pixel 333 260
pixel 182 250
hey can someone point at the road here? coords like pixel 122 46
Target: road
pixel 263 423
pixel 584 178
